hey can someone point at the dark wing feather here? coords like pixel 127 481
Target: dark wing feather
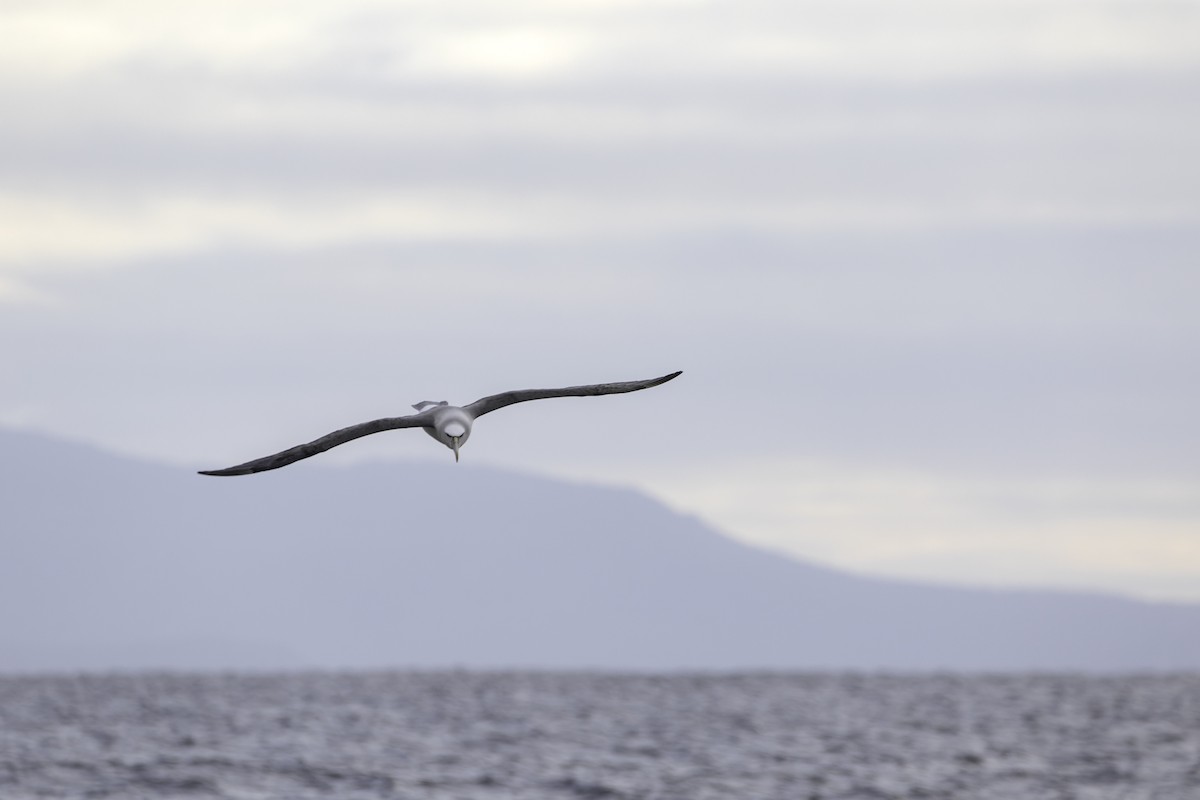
pixel 324 443
pixel 486 405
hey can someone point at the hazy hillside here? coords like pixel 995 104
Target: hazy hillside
pixel 108 562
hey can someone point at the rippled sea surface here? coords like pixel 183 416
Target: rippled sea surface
pixel 437 735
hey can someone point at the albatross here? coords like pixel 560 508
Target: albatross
pixel 450 425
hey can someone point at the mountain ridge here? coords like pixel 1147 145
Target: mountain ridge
pixel 474 567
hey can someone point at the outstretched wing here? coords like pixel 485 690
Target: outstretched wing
pixel 324 443
pixel 486 405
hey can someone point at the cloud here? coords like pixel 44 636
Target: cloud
pixel 126 178
pixel 1030 530
pixel 101 231
pixel 535 40
pixel 1048 353
pixel 13 292
pixel 136 129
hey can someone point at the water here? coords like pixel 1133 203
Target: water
pixel 529 735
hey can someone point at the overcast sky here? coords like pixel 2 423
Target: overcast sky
pixel 931 269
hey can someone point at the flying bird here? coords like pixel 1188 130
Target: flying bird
pixel 450 425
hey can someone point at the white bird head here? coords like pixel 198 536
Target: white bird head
pixel 452 427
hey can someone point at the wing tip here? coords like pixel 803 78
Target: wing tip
pixel 221 473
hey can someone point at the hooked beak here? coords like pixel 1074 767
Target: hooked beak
pixel 455 440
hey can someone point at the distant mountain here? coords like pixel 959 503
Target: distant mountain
pixel 108 562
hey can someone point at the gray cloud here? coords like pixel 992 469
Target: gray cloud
pixel 1047 352
pixel 1117 143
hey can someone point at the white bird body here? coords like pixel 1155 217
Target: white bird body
pixel 450 425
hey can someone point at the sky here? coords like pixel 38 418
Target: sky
pixel 930 269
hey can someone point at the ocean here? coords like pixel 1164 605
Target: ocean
pixel 469 735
